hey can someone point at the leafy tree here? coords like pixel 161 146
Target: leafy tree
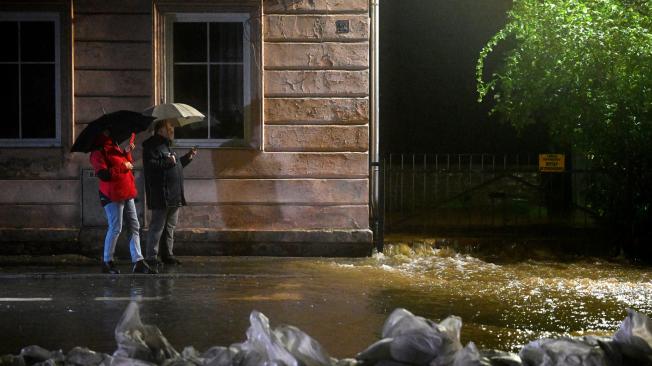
pixel 583 68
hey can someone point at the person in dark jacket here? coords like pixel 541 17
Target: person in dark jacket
pixel 113 166
pixel 163 190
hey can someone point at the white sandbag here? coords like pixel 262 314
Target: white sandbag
pixel 262 347
pixel 219 356
pixel 419 347
pixel 470 356
pixel 140 341
pixel 415 340
pixel 562 352
pixel 303 347
pixel 401 321
pixel 179 362
pixel 377 351
pixel 634 338
pixel 81 356
pixel 501 358
pixel 36 354
pixel 126 361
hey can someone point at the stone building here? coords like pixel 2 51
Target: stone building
pixel 283 165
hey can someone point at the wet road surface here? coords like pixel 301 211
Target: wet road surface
pixel 342 303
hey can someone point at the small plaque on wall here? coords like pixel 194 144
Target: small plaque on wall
pixel 342 26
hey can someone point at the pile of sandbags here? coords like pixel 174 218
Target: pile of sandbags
pixel 407 340
pixel 413 340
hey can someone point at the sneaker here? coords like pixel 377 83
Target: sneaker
pixel 142 267
pixel 172 260
pixel 109 267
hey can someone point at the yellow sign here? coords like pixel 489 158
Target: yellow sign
pixel 551 163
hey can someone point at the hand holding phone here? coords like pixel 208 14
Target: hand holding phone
pixel 171 158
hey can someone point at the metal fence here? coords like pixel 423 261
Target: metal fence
pixel 480 191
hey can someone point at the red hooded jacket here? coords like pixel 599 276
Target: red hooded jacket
pixel 111 157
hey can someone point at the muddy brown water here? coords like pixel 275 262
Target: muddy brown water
pixel 340 302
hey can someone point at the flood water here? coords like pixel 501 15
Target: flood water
pixel 340 302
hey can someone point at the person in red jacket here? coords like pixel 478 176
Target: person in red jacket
pixel 113 166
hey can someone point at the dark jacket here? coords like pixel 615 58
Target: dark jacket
pixel 163 180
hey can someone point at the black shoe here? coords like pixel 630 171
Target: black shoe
pixel 154 264
pixel 109 267
pixel 142 267
pixel 172 260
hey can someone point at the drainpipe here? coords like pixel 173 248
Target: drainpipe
pixel 376 214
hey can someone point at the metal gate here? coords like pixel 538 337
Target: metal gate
pixel 426 192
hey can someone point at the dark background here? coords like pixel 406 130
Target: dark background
pixel 428 97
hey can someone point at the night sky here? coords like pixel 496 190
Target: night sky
pixel 428 55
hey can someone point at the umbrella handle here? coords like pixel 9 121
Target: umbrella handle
pixel 132 138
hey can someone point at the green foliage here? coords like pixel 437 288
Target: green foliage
pixel 584 69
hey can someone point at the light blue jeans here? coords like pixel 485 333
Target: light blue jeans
pixel 114 214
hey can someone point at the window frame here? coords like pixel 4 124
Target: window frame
pixel 38 142
pixel 231 17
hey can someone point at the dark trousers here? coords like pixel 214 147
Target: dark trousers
pixel 162 224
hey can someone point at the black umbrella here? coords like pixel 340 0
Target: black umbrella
pixel 121 124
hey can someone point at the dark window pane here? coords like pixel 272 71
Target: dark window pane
pixel 190 88
pixel 227 107
pixel 9 101
pixel 226 42
pixel 9 41
pixel 37 41
pixel 38 101
pixel 189 42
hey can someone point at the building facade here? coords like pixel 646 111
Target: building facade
pixel 283 163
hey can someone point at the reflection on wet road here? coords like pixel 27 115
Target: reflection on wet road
pixel 340 302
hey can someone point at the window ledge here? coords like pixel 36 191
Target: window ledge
pixel 29 143
pixel 212 144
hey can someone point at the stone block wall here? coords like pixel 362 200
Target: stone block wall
pixel 311 178
pixel 39 186
pixel 306 187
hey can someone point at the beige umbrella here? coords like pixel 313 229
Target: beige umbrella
pixel 180 114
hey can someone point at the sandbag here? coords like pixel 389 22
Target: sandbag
pixel 414 340
pixel 562 352
pixel 501 358
pixel 37 354
pixel 471 356
pixel 263 347
pixel 304 348
pixel 81 356
pixel 140 341
pixel 634 338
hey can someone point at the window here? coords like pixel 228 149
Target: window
pixel 208 67
pixel 29 70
